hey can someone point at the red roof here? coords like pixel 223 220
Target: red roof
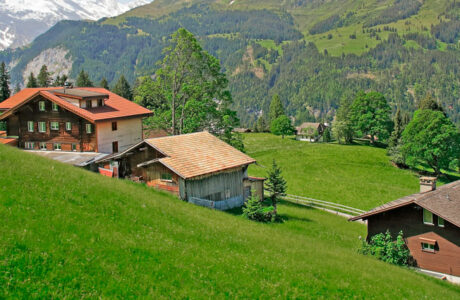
pixel 115 106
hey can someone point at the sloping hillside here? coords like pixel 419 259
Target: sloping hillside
pixel 70 233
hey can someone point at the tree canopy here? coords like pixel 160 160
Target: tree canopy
pixel 32 81
pixel 123 88
pixel 43 78
pixel 282 126
pixel 104 84
pixel 276 108
pixel 83 80
pixel 5 91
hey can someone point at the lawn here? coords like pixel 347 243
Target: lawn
pixel 70 233
pixel 357 176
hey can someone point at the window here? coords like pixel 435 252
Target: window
pixel 99 102
pixel 30 126
pixel 115 147
pixel 114 126
pixel 88 104
pixel 43 146
pixel 427 247
pixel 41 105
pixel 29 145
pixel 68 126
pixel 166 177
pixel 57 146
pixel 227 194
pixel 41 127
pixel 89 128
pixel 54 126
pixel 55 107
pixel 440 222
pixel 82 104
pixel 427 217
pixel 74 147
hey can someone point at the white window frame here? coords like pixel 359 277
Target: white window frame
pixel 441 222
pixel 54 106
pixel 29 145
pixel 30 126
pixel 427 221
pixel 42 130
pixel 57 145
pixel 55 128
pixel 41 106
pixel 68 126
pixel 427 247
pixel 89 128
pixel 43 146
pixel 166 177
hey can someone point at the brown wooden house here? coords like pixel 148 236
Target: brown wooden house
pixel 430 221
pixel 197 167
pixel 72 120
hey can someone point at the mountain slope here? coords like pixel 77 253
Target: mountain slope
pixel 22 21
pixel 76 234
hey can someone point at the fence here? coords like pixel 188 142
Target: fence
pixel 329 206
pixel 219 205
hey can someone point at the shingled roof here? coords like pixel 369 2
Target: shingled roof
pixel 115 106
pixel 443 202
pixel 197 154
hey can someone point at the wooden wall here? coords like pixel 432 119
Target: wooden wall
pixel 409 219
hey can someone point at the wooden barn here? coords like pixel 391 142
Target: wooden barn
pixel 197 167
pixel 430 221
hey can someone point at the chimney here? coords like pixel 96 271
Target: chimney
pixel 427 184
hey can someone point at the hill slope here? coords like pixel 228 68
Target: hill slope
pixel 68 232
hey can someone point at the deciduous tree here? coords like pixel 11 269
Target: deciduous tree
pixel 282 126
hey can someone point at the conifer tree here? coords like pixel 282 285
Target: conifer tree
pixel 5 92
pixel 261 125
pixel 17 88
pixel 123 88
pixel 32 81
pixel 276 108
pixel 43 78
pixel 275 185
pixel 83 79
pixel 104 84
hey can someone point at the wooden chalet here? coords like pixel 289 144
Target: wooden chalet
pixel 197 167
pixel 310 132
pixel 72 120
pixel 430 221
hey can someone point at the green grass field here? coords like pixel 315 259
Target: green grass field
pixel 70 233
pixel 357 176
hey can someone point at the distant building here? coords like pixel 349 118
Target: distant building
pixel 90 120
pixel 430 221
pixel 197 167
pixel 310 132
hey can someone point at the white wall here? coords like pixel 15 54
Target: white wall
pixel 128 133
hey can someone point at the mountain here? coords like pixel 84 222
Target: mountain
pixel 23 20
pixel 310 52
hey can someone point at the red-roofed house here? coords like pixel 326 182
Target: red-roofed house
pixel 72 119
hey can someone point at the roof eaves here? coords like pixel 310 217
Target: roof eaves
pixel 379 211
pixel 9 111
pixel 69 107
pixel 437 213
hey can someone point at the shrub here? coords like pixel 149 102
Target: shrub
pixel 384 248
pixel 254 210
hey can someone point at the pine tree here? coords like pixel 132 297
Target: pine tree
pixel 5 92
pixel 397 129
pixel 43 78
pixel 104 84
pixel 123 88
pixel 261 125
pixel 32 81
pixel 83 80
pixel 276 108
pixel 430 103
pixel 275 185
pixel 17 89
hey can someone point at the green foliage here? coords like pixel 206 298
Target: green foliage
pixel 342 127
pixel 43 78
pixel 275 185
pixel 254 210
pixel 32 81
pixel 83 79
pixel 5 91
pixel 370 115
pixel 17 89
pixel 394 143
pixel 431 139
pixel 60 80
pixel 123 89
pixel 327 137
pixel 104 84
pixel 261 125
pixel 282 126
pixel 430 103
pixel 276 108
pixel 385 248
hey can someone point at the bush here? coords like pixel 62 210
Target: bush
pixel 384 248
pixel 254 210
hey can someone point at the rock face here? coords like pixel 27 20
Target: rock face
pixel 58 61
pixel 21 21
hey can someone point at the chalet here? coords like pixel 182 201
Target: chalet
pixel 90 120
pixel 310 132
pixel 197 167
pixel 430 221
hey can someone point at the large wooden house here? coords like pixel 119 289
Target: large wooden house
pixel 72 119
pixel 310 132
pixel 430 221
pixel 197 167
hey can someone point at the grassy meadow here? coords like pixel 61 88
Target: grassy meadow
pixel 69 233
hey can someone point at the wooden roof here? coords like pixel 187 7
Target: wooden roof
pixel 443 202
